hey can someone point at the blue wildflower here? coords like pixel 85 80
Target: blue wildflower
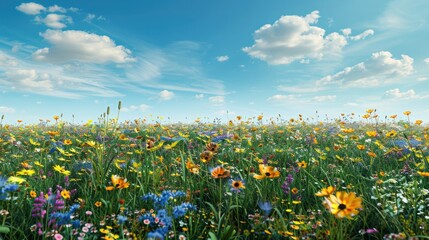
pixel 155 236
pixel 266 207
pixel 121 219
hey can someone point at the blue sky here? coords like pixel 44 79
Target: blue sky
pixel 215 59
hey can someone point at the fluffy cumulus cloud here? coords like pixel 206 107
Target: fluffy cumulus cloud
pixel 81 46
pixel 31 8
pixel 396 93
pixel 381 68
pixel 54 20
pixel 217 99
pixel 222 58
pixel 426 60
pixel 166 95
pixel 293 38
pixel 4 109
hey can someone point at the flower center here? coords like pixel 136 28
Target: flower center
pixel 267 174
pixel 342 206
pixel 236 184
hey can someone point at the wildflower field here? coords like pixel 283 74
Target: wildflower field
pixel 353 177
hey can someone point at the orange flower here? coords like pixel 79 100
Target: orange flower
pixel 423 174
pixel 418 122
pixel 98 204
pixel 343 204
pixel 407 113
pixel 220 172
pixel 267 172
pixel 118 182
pixel 325 191
pixel 33 194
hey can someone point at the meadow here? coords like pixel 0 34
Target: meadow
pixel 358 176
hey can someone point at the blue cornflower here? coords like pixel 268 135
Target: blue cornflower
pixel 180 211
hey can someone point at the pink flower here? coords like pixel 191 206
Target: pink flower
pixel 58 236
pixel 88 213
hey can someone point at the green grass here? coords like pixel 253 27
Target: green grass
pixel 351 155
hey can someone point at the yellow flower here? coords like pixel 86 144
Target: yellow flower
pixel 98 204
pixel 325 191
pixel 62 170
pixel 206 156
pixel 418 122
pixel 267 172
pixel 65 194
pixel 26 172
pixel 16 180
pixel 302 164
pixel 371 133
pixel 361 147
pixel 343 204
pixel 67 142
pixel 33 194
pixel 407 113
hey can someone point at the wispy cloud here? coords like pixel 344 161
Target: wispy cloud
pixel 177 67
pixel 4 109
pixel 217 99
pixel 132 108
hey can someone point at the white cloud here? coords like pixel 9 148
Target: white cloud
pixel 396 93
pixel 299 89
pixel 381 68
pixel 53 20
pixel 89 17
pixel 7 61
pixel 141 107
pixel 4 109
pixel 363 35
pixel 280 97
pixel 426 60
pixel 199 96
pixel 81 46
pixel 217 99
pixel 31 8
pixel 346 31
pixel 222 58
pixel 422 79
pixel 166 95
pixel 293 38
pixel 324 98
pixel 57 8
pixel 30 79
